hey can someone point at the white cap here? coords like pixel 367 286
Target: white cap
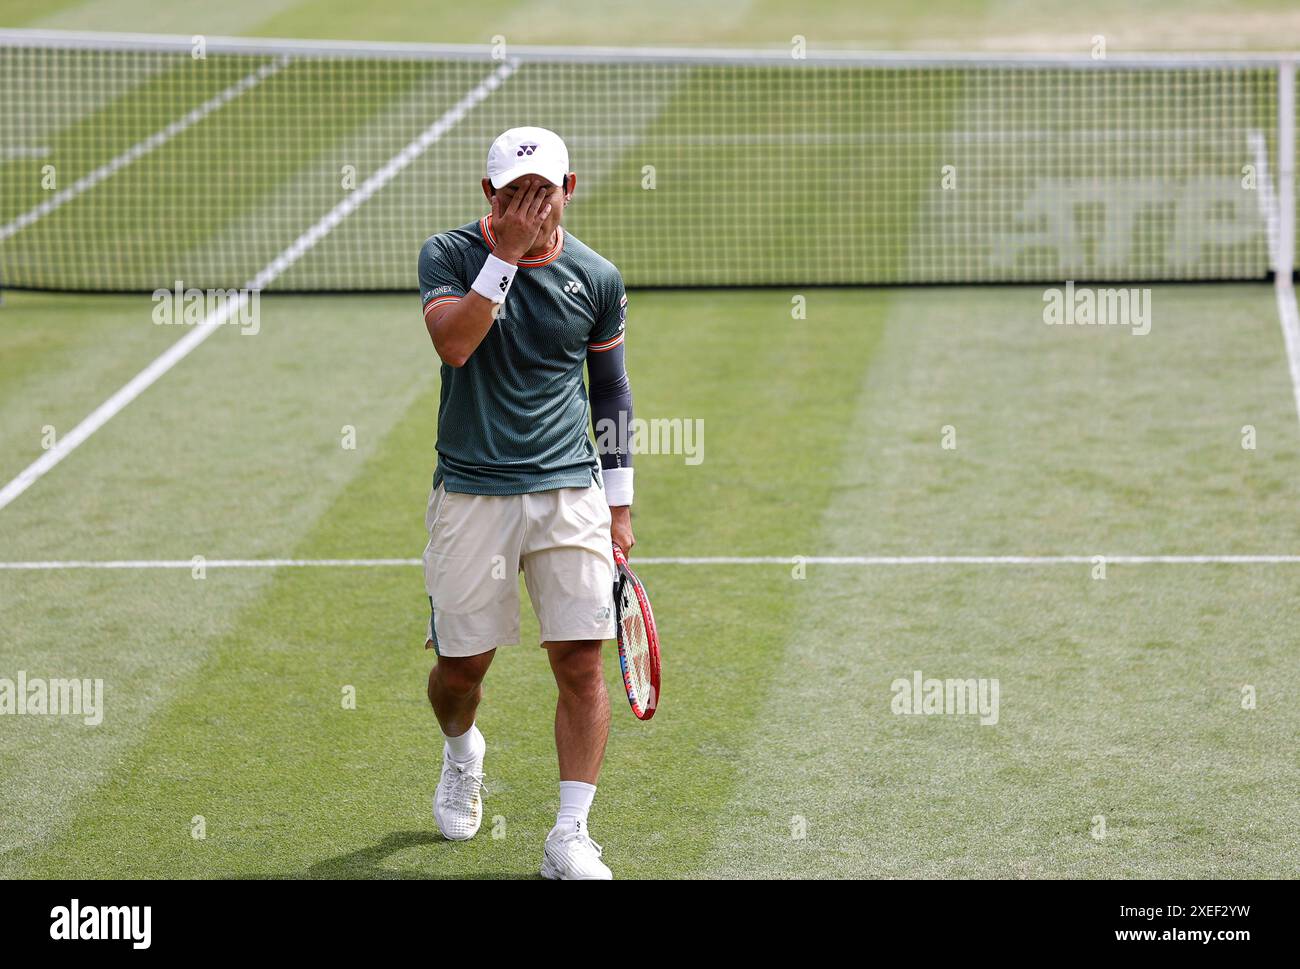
pixel 527 151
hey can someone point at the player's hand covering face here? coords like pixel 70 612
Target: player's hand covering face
pixel 530 202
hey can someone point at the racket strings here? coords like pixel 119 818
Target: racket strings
pixel 635 642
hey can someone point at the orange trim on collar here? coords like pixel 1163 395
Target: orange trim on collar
pixel 485 226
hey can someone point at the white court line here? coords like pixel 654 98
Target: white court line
pixel 1286 309
pixel 859 560
pixel 186 344
pixel 10 152
pixel 1270 208
pixel 1284 254
pixel 782 138
pixel 142 148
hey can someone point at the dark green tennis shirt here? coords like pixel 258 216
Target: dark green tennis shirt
pixel 513 419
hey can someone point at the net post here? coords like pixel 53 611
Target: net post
pixel 1285 169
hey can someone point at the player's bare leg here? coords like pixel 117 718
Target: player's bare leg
pixel 581 730
pixel 455 688
pixel 582 710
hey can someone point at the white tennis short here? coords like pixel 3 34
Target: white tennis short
pixel 478 544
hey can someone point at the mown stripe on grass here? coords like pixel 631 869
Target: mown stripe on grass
pixel 142 148
pixel 183 17
pixel 60 356
pixel 241 449
pixel 1119 697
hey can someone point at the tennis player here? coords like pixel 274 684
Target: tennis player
pixel 516 306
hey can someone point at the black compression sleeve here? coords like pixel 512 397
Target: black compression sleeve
pixel 611 407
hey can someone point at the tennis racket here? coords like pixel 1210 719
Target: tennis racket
pixel 638 642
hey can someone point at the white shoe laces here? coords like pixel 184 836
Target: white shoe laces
pixel 461 786
pixel 582 838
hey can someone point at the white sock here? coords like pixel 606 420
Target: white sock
pixel 465 747
pixel 575 803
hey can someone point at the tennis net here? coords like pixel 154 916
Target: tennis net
pixel 131 162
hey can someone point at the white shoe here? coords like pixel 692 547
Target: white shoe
pixel 458 801
pixel 570 855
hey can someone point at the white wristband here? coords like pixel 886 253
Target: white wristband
pixel 618 486
pixel 494 279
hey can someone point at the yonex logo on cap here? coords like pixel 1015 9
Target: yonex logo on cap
pixel 527 151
